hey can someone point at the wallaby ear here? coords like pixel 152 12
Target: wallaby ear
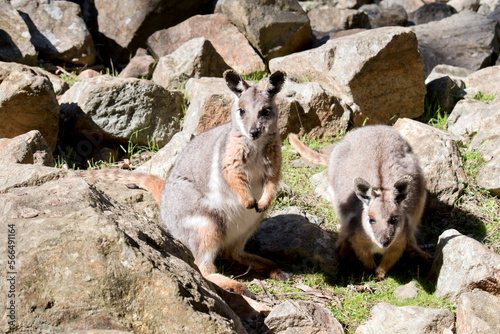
pixel 402 188
pixel 275 82
pixel 363 190
pixel 235 83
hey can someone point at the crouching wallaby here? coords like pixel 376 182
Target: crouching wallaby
pixel 221 184
pixel 378 191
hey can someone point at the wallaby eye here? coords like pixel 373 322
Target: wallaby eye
pixel 242 111
pixel 394 220
pixel 265 112
pixel 371 220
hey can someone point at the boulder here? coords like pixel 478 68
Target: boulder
pixel 140 66
pixel 332 18
pixel 461 5
pixel 290 238
pixel 394 15
pixel 28 148
pixel 302 317
pixel 478 312
pixel 122 33
pixel 164 159
pixel 485 80
pixel 470 117
pixel 408 5
pixel 210 102
pixel 227 40
pixel 273 28
pixel 27 102
pixel 439 159
pixel 386 318
pixel 463 264
pixel 86 262
pixel 407 291
pixel 483 121
pixel 444 93
pixel 488 144
pixel 60 85
pixel 195 59
pixel 433 11
pixel 448 41
pixel 457 74
pixel 121 109
pixel 353 73
pixel 307 109
pixel 15 37
pixel 58 30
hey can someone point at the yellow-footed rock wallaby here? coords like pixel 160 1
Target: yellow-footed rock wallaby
pixel 378 191
pixel 221 184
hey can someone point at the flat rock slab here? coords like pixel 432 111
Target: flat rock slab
pixel 83 261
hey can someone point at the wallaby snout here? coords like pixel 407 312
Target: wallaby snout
pixel 254 133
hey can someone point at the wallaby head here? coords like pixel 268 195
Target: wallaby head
pixel 254 112
pixel 383 214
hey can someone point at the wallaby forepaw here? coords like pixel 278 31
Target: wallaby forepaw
pixel 238 288
pixel 279 275
pixel 379 274
pixel 260 207
pixel 249 204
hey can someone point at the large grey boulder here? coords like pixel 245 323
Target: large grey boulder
pixel 274 28
pixel 449 41
pixel 386 318
pixel 15 37
pixel 28 148
pixel 408 5
pixel 140 66
pixel 485 80
pixel 210 102
pixel 58 30
pixel 164 159
pixel 488 144
pixel 481 120
pixel 291 239
pixel 478 312
pixel 27 102
pixel 470 117
pixel 125 25
pixel 444 93
pixel 429 12
pixel 439 158
pixel 353 73
pixel 195 59
pixel 457 74
pixel 116 108
pixel 331 18
pixel 463 264
pixel 229 42
pixel 86 262
pixel 302 317
pixel 308 109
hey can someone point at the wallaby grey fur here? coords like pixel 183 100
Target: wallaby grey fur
pixel 222 183
pixel 377 189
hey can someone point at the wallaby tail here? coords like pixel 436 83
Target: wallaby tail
pixel 152 183
pixel 307 153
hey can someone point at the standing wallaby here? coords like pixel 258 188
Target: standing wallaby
pixel 378 191
pixel 220 186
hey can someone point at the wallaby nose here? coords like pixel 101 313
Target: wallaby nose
pixel 385 242
pixel 254 133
